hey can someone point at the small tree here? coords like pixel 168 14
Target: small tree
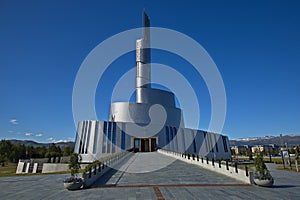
pixel 74 165
pixel 262 172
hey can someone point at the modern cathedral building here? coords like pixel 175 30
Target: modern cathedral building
pixel 130 127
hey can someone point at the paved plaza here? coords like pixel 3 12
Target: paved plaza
pixel 178 180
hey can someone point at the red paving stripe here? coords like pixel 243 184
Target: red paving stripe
pixel 158 193
pixel 173 185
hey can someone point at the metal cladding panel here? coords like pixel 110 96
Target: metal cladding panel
pixel 199 138
pixel 78 136
pixel 180 140
pixel 156 96
pixel 188 138
pixel 139 50
pixel 143 70
pixel 139 113
pixel 100 137
pixel 91 136
pixel 142 82
pixel 143 52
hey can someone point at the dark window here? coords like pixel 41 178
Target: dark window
pixel 217 148
pixel 109 136
pixel 83 136
pixel 123 140
pixel 225 143
pixel 194 146
pixel 104 137
pixel 114 137
pixel 167 135
pixel 79 137
pixel 171 141
pixel 211 147
pixel 88 136
pixel 80 144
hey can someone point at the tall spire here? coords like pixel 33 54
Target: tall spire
pixel 143 57
pixel 146 21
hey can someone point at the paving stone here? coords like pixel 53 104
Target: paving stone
pixel 287 184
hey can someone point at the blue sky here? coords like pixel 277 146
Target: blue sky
pixel 255 45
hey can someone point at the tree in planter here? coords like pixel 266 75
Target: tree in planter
pixel 74 165
pixel 74 182
pixel 262 173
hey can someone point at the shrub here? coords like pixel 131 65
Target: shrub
pixel 74 165
pixel 262 173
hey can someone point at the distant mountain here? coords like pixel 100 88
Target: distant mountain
pixel 291 140
pixel 62 145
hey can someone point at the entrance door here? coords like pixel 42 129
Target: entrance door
pixel 145 145
pixel 153 144
pixel 147 149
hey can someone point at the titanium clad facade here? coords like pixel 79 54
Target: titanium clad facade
pixel 96 139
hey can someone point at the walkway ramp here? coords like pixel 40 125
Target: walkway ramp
pixel 147 169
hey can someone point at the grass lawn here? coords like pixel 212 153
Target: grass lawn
pixel 8 170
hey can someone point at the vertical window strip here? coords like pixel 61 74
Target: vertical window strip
pixel 167 135
pixel 216 143
pixel 123 140
pixel 171 139
pixel 194 143
pixel 109 136
pixel 205 139
pixel 83 137
pixel 88 136
pixel 225 144
pixel 104 137
pixel 211 143
pixel 114 137
pixel 80 138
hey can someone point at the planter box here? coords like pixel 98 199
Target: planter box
pixel 73 186
pixel 264 183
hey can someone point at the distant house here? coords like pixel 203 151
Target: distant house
pixel 264 148
pixel 241 150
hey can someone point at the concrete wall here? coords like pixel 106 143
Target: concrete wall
pixel 54 167
pixel 20 168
